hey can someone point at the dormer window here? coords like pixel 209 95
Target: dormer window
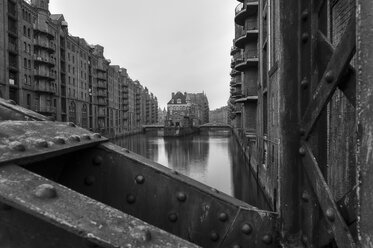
pixel 178 100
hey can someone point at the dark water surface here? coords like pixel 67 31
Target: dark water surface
pixel 214 158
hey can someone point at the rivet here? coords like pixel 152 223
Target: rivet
pixel 246 229
pixel 42 144
pixel 172 217
pixel 97 136
pixel 97 160
pixel 305 37
pixel 75 138
pixel 329 77
pixel 59 140
pixel 86 137
pixel 305 196
pixel 181 196
pixel 330 214
pixel 236 246
pixel 45 191
pixel 90 180
pixel 131 199
pixel 267 239
pixel 223 217
pixel 17 146
pixel 304 83
pixel 214 236
pixel 302 151
pixel 71 124
pixel 140 179
pixel 305 15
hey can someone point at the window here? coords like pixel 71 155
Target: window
pixel 25 79
pixel 25 47
pixel 25 63
pixel 28 100
pixel 28 33
pixel 24 31
pixel 29 48
pixel 29 80
pixel 178 100
pixel 29 64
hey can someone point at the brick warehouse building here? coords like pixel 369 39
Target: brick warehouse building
pixel 47 70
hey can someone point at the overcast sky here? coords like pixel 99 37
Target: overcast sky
pixel 168 45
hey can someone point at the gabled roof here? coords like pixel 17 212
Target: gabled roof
pixel 180 96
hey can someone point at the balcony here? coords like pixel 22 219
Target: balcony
pixel 12 48
pixel 44 30
pixel 12 31
pixel 101 85
pixel 45 88
pixel 101 93
pixel 101 76
pixel 234 49
pixel 50 61
pixel 235 73
pixel 245 10
pixel 245 37
pixel 44 74
pixel 46 110
pixel 235 83
pixel 101 115
pixel 247 99
pixel 245 63
pixel 236 94
pixel 101 102
pixel 125 97
pixel 12 12
pixel 50 46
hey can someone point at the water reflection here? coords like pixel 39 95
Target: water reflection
pixel 213 158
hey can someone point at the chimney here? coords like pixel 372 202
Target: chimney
pixel 173 94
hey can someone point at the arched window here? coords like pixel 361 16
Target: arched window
pixel 84 117
pixel 72 112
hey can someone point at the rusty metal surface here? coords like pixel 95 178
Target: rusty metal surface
pixel 164 198
pixel 79 215
pixel 27 141
pixel 329 208
pixel 335 70
pixel 365 121
pixel 10 111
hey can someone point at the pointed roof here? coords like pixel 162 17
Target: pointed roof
pixel 180 96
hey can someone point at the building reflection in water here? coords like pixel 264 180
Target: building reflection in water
pixel 213 158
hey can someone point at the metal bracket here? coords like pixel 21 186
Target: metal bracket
pixel 29 141
pixel 98 224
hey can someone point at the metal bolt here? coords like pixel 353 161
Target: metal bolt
pixel 246 229
pixel 59 140
pixel 90 180
pixel 71 124
pixel 305 15
pixel 304 83
pixel 175 172
pixel 140 179
pixel 86 137
pixel 42 144
pixel 172 217
pixel 181 196
pixel 330 214
pixel 305 196
pixel 302 151
pixel 223 217
pixel 305 37
pixel 267 239
pixel 17 146
pixel 131 199
pixel 45 191
pixel 329 77
pixel 97 136
pixel 75 138
pixel 214 236
pixel 97 160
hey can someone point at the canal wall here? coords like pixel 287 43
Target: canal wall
pixel 248 146
pixel 124 134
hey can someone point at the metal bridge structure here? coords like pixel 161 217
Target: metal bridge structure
pixel 62 186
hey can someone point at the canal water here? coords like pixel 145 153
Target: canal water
pixel 213 158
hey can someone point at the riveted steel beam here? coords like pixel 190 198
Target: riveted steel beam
pixel 83 221
pixel 165 198
pixel 10 111
pixel 29 141
pixel 337 65
pixel 321 189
